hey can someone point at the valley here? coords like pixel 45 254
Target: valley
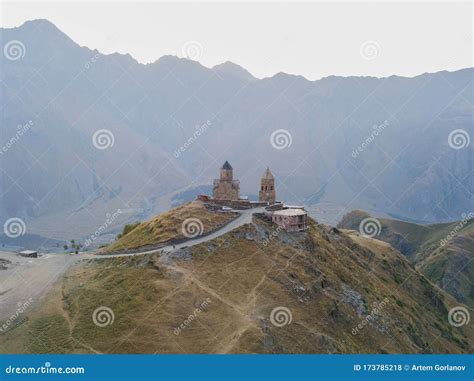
pixel 444 253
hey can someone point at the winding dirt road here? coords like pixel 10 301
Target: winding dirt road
pixel 26 280
pixel 244 218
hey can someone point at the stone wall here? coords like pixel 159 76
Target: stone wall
pixel 226 190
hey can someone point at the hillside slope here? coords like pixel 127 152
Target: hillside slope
pixel 254 290
pixel 443 252
pixel 175 225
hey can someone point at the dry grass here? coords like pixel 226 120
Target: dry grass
pixel 442 252
pixel 244 280
pixel 167 227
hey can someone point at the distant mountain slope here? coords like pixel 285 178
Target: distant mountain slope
pixel 31 241
pixel 55 179
pixel 443 252
pixel 254 290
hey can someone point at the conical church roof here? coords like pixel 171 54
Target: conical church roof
pixel 268 175
pixel 227 165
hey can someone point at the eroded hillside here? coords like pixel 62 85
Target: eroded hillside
pixel 442 252
pixel 183 222
pixel 254 290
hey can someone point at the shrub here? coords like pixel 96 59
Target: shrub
pixel 128 228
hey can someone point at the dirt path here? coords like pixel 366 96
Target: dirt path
pixel 190 277
pixel 227 344
pixel 244 218
pixel 26 280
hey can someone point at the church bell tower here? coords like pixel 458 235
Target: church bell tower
pixel 267 188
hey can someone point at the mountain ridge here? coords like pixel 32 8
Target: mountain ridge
pixel 36 22
pixel 72 92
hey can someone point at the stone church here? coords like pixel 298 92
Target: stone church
pixel 226 193
pixel 227 189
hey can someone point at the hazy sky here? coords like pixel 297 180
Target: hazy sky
pixel 314 39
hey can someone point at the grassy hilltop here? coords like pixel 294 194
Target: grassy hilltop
pixel 255 289
pixel 168 227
